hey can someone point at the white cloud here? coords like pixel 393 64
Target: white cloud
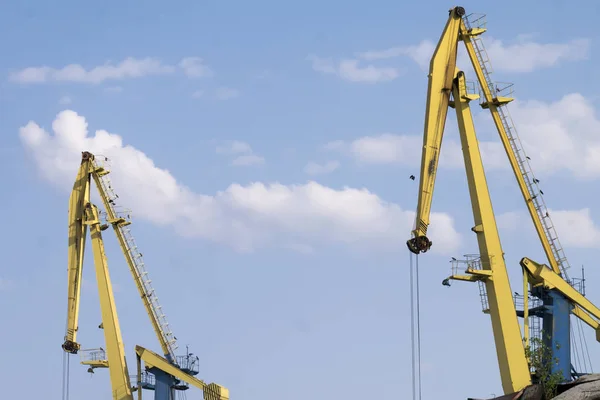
pixel 129 68
pixel 575 228
pixel 194 67
pixel 65 100
pixel 113 89
pixel 334 145
pixel 350 70
pixel 247 160
pixel 245 156
pixel 420 53
pixel 244 217
pixel 300 248
pixel 197 94
pixel 524 55
pixel 234 147
pixel 388 148
pixel 560 135
pixel 225 93
pixel 313 168
pixel 510 220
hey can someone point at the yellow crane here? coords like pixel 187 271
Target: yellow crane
pixel 447 87
pixel 165 374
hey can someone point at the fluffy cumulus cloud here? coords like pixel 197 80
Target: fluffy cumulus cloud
pixel 313 168
pixel 244 217
pixel 525 55
pixel 242 153
pixel 351 70
pixel 575 228
pixel 388 148
pixel 520 55
pixel 130 67
pixel 194 67
pixel 559 135
pixel 420 53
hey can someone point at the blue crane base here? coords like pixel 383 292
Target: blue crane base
pixel 556 329
pixel 165 385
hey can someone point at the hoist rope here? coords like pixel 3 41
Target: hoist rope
pixel 415 327
pixel 66 368
pixel 575 352
pixel 65 376
pixel 585 354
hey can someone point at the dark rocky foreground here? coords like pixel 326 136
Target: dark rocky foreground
pixel 585 388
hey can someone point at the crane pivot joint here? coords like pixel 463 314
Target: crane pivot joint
pixel 459 11
pixel 419 244
pixel 71 347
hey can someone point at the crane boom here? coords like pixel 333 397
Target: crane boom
pixel 459 28
pixel 80 196
pixel 441 74
pixel 81 215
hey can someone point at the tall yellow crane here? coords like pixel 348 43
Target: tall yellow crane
pixel 446 82
pixel 447 88
pixel 164 375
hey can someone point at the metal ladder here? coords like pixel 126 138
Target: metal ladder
pixel 138 262
pixel 485 305
pixel 531 182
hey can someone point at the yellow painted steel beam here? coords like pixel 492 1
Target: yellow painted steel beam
pixel 540 274
pixel 514 370
pixel 211 391
pixel 441 74
pixel 80 196
pixel 115 352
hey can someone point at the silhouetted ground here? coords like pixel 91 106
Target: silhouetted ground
pixel 585 388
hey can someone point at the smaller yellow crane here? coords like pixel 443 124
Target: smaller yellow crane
pixel 164 375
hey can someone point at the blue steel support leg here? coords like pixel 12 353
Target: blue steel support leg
pixel 164 383
pixel 557 332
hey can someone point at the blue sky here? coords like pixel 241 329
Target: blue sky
pixel 265 151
